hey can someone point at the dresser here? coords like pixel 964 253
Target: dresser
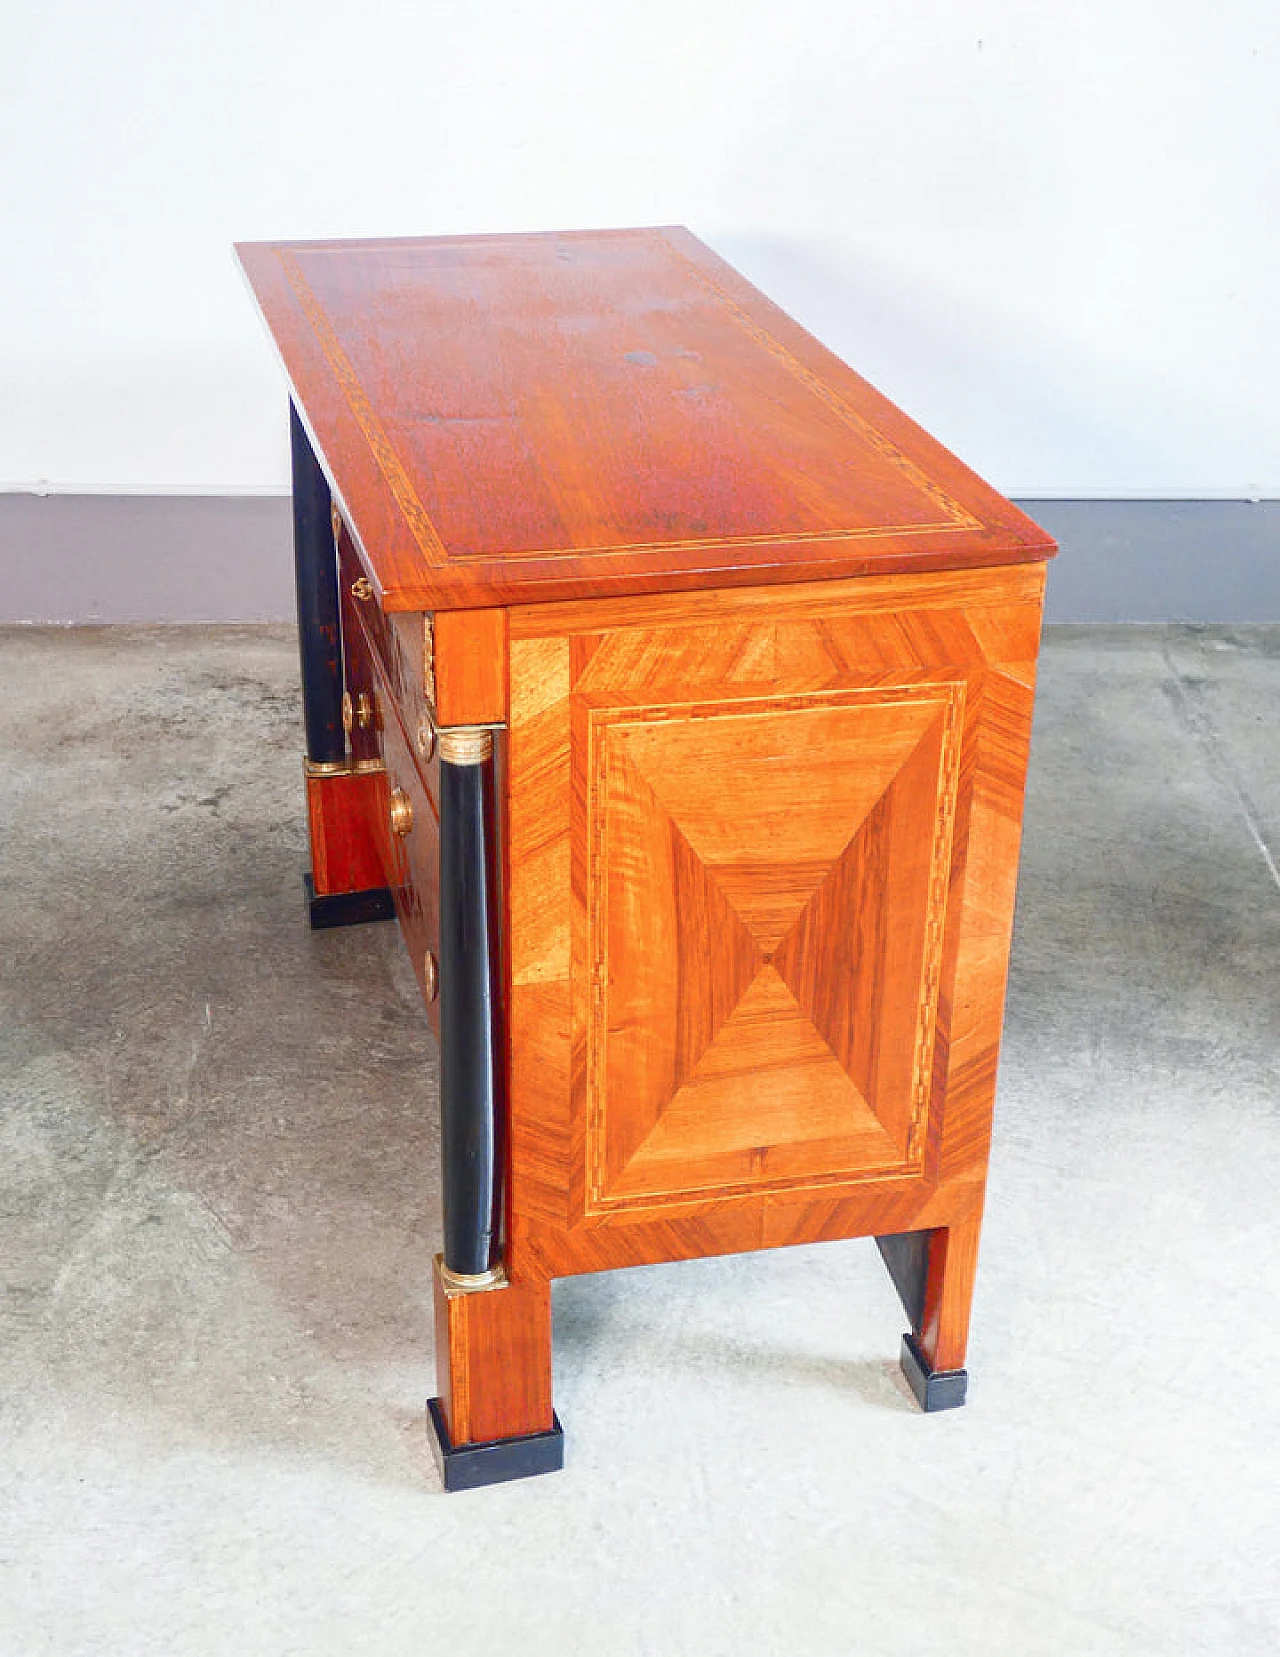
pixel 673 691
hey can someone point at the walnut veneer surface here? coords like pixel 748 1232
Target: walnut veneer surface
pixel 763 863
pixel 511 418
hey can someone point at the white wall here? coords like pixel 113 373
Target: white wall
pixel 1048 228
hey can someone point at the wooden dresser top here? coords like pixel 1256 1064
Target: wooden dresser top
pixel 511 419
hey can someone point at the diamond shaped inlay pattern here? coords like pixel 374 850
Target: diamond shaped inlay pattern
pixel 766 882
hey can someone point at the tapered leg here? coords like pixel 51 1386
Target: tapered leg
pixel 933 1272
pixel 346 883
pixel 493 1419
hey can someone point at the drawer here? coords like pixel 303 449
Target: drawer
pixel 364 703
pixel 413 866
pixel 400 644
pixel 408 837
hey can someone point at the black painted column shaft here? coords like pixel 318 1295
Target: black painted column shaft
pixel 319 627
pixel 906 1255
pixel 472 1102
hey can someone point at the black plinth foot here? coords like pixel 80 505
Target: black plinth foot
pixel 347 908
pixel 467 1466
pixel 935 1389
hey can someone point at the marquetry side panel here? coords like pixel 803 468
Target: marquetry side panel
pixel 765 895
pixel 762 863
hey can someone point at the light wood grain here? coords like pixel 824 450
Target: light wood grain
pixel 506 419
pixel 470 667
pixel 493 1360
pixel 760 955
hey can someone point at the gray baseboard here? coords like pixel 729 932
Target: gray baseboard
pixel 1197 561
pixel 117 558
pixel 145 558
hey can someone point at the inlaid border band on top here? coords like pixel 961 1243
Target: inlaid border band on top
pixel 428 537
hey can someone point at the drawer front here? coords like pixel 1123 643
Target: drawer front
pixel 365 705
pixel 413 872
pixel 400 644
pixel 408 838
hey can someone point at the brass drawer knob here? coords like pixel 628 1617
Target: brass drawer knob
pixel 357 714
pixel 362 588
pixel 430 976
pixel 401 810
pixel 335 518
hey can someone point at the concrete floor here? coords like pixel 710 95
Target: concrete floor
pixel 218 1206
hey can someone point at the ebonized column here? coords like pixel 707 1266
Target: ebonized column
pixel 319 627
pixel 472 1103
